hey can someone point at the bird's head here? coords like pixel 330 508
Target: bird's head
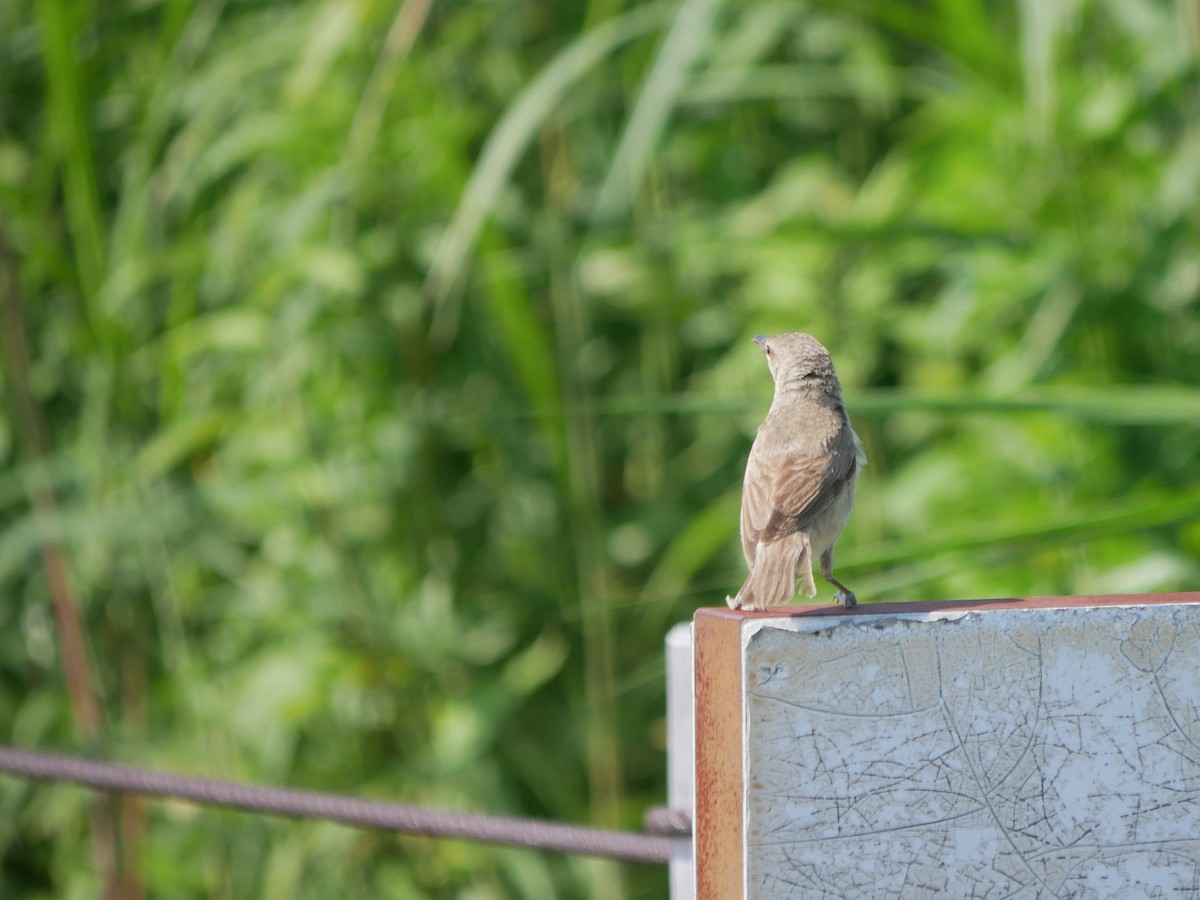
pixel 796 359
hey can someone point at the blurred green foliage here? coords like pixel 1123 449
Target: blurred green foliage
pixel 395 365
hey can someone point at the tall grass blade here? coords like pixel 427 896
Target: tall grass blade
pixel 657 99
pixel 505 145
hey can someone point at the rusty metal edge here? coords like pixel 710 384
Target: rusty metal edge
pixel 719 826
pixel 924 606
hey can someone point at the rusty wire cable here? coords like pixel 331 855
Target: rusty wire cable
pixel 542 835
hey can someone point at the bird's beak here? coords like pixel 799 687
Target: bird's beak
pixel 761 340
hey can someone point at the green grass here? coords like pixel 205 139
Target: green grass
pixel 395 371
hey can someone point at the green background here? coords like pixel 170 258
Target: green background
pixel 389 380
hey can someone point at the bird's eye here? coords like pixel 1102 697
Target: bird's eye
pixel 770 352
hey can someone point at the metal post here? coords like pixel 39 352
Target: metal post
pixel 681 780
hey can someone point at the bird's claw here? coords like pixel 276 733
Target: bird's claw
pixel 845 598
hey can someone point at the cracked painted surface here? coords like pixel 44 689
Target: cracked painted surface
pixel 1048 753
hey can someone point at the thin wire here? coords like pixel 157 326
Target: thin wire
pixel 624 845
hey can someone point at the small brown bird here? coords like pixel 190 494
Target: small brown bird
pixel 799 484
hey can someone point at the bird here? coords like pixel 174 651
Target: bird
pixel 798 490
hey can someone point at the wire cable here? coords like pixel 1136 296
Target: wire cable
pixel 538 834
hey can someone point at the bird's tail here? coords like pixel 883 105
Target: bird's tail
pixel 772 580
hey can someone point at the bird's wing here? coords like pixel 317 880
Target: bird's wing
pixel 785 490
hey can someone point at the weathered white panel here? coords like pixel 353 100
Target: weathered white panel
pixel 681 773
pixel 1031 753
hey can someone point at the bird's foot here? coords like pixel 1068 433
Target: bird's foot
pixel 845 598
pixel 734 602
